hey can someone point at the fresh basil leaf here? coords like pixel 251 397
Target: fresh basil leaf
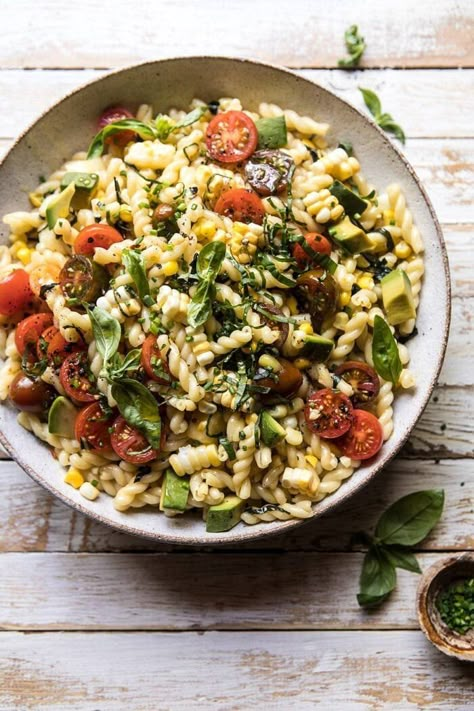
pixel 107 332
pixel 138 406
pixel 200 307
pixel 383 120
pixel 192 117
pixel 210 260
pixel 355 45
pixel 120 366
pixel 400 558
pixel 134 263
pixel 409 520
pixel 347 147
pixel 372 101
pixel 165 126
pixel 377 579
pixel 388 124
pixel 385 354
pixel 144 130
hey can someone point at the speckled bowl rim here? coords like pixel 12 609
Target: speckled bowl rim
pixel 327 504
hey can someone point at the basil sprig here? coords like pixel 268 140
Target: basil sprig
pixel 107 333
pixel 208 265
pixel 405 523
pixel 165 126
pixel 138 406
pixel 382 119
pixel 385 354
pixel 144 130
pixel 134 263
pixel 355 45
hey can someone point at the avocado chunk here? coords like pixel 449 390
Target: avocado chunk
pixel 397 297
pixel 271 132
pixel 62 417
pixel 271 431
pixel 174 491
pixel 224 516
pixel 59 205
pixel 317 348
pixel 350 201
pixel 350 237
pixel 86 186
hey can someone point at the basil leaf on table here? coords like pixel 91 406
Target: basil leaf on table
pixel 377 579
pixel 409 520
pixel 400 558
pixel 134 263
pixel 385 354
pixel 372 101
pixel 355 45
pixel 107 332
pixel 144 130
pixel 139 408
pixel 384 120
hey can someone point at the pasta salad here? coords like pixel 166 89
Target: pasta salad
pixel 209 310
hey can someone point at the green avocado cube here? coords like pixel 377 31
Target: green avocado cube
pixel 224 516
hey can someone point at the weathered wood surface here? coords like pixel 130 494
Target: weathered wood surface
pixel 307 33
pixel 351 671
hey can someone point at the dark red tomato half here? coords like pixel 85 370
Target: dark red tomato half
pixel 92 236
pixel 328 413
pixel 30 329
pixel 154 364
pixel 314 243
pixel 76 378
pixel 92 426
pixel 15 293
pixel 30 394
pixel 111 115
pixel 363 380
pixel 130 444
pixel 241 206
pixel 231 137
pixel 286 382
pixel 364 438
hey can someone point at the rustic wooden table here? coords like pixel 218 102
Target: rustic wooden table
pixel 92 619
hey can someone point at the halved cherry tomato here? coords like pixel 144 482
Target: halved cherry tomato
pixel 30 394
pixel 112 114
pixel 92 236
pixel 278 326
pixel 76 378
pixel 55 347
pixel 363 379
pixel 269 171
pixel 42 275
pixel 15 293
pixel 82 279
pixel 319 290
pixel 154 364
pixel 30 329
pixel 241 206
pixel 328 413
pixel 92 426
pixel 314 243
pixel 231 137
pixel 285 382
pixel 130 444
pixel 44 340
pixel 364 438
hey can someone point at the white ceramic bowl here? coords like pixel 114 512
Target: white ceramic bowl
pixel 68 126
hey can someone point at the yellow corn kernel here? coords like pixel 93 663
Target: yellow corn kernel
pixel 306 327
pixel 388 216
pixel 292 305
pixel 365 281
pixel 240 227
pixel 402 250
pixel 344 298
pixel 207 229
pixel 125 213
pixel 311 459
pixel 35 198
pixel 74 478
pixel 302 363
pixel 170 268
pixel 24 255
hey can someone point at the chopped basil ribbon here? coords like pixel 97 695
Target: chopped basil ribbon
pixel 134 263
pixel 383 120
pixel 385 354
pixel 139 408
pixel 208 265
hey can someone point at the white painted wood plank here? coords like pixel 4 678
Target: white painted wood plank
pixel 438 33
pixel 351 671
pixel 31 520
pixel 457 368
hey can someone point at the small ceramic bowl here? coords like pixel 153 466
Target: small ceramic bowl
pixel 435 579
pixel 68 127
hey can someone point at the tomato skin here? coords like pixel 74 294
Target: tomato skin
pixel 365 437
pixel 15 293
pixel 92 426
pixel 231 137
pixel 74 376
pixel 42 275
pixel 287 382
pixel 93 236
pixel 319 290
pixel 334 412
pixel 112 114
pixel 241 206
pixel 130 444
pixel 316 242
pixel 30 329
pixel 30 394
pixel 363 379
pixel 150 354
pixel 55 347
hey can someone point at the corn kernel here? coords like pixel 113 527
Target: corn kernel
pixel 344 298
pixel 388 216
pixel 402 250
pixel 306 327
pixel 302 363
pixel 125 213
pixel 268 361
pixel 74 478
pixel 207 229
pixel 311 459
pixel 170 268
pixel 89 491
pixel 365 281
pixel 35 199
pixel 24 255
pixel 292 305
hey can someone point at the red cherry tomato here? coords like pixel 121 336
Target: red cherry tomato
pixel 154 364
pixel 130 444
pixel 92 426
pixel 328 413
pixel 30 329
pixel 364 438
pixel 92 236
pixel 363 379
pixel 30 394
pixel 231 137
pixel 314 243
pixel 112 114
pixel 55 347
pixel 76 378
pixel 42 275
pixel 15 293
pixel 241 206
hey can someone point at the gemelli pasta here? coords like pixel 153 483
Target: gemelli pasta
pixel 208 310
